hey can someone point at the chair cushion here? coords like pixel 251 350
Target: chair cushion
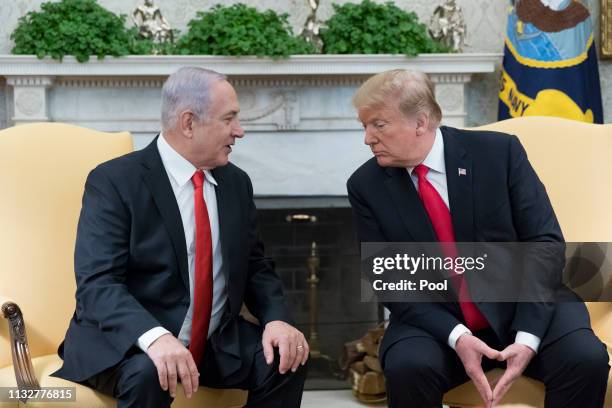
pixel 86 397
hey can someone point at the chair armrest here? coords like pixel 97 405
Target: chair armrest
pixel 4 299
pixel 22 362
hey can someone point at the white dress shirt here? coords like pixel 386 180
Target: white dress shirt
pixel 179 172
pixel 437 177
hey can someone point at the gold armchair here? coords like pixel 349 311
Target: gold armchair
pixel 42 173
pixel 573 161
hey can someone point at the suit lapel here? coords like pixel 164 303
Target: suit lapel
pixel 156 179
pixel 459 183
pixel 408 204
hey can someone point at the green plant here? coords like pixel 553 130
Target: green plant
pixel 72 27
pixel 371 28
pixel 241 30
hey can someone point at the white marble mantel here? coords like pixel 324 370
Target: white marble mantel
pixel 302 135
pixel 361 64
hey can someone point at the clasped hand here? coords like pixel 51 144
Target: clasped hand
pixel 471 349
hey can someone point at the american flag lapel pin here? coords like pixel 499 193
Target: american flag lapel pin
pixel 462 172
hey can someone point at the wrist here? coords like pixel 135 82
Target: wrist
pixel 273 322
pixel 526 348
pixel 462 336
pixel 158 340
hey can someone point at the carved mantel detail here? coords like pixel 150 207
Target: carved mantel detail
pixel 269 109
pixel 29 98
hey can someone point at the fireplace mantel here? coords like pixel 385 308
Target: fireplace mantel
pixel 163 65
pixel 295 111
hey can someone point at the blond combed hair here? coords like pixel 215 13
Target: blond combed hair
pixel 412 91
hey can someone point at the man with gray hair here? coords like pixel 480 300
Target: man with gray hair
pixel 167 252
pixel 429 183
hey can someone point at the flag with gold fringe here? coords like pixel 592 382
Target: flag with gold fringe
pixel 550 62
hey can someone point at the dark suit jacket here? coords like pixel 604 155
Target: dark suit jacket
pixel 131 265
pixel 500 199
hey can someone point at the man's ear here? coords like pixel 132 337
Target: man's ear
pixel 422 123
pixel 186 119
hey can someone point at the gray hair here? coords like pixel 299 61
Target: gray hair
pixel 187 89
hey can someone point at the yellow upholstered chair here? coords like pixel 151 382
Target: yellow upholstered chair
pixel 42 174
pixel 573 160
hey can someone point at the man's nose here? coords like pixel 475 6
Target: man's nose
pixel 238 130
pixel 369 138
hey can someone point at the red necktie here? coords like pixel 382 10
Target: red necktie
pixel 441 221
pixel 203 290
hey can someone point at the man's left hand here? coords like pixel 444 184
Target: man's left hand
pixel 517 357
pixel 292 346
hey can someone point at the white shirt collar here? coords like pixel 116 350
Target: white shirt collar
pixel 179 168
pixel 435 158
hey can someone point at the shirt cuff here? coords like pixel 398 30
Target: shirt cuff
pixel 150 336
pixel 456 333
pixel 528 339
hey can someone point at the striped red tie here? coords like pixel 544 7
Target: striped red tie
pixel 203 290
pixel 443 227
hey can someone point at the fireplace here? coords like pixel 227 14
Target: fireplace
pixel 340 315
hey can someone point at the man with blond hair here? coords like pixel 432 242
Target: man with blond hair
pixel 430 183
pixel 167 253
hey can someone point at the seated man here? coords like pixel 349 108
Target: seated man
pixel 167 251
pixel 427 183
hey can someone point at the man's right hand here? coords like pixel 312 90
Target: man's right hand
pixel 470 350
pixel 174 361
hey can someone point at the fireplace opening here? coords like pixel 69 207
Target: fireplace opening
pixel 317 257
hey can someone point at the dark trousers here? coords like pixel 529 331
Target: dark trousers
pixel 574 370
pixel 134 381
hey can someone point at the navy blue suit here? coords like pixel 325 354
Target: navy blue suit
pixel 498 199
pixel 132 274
